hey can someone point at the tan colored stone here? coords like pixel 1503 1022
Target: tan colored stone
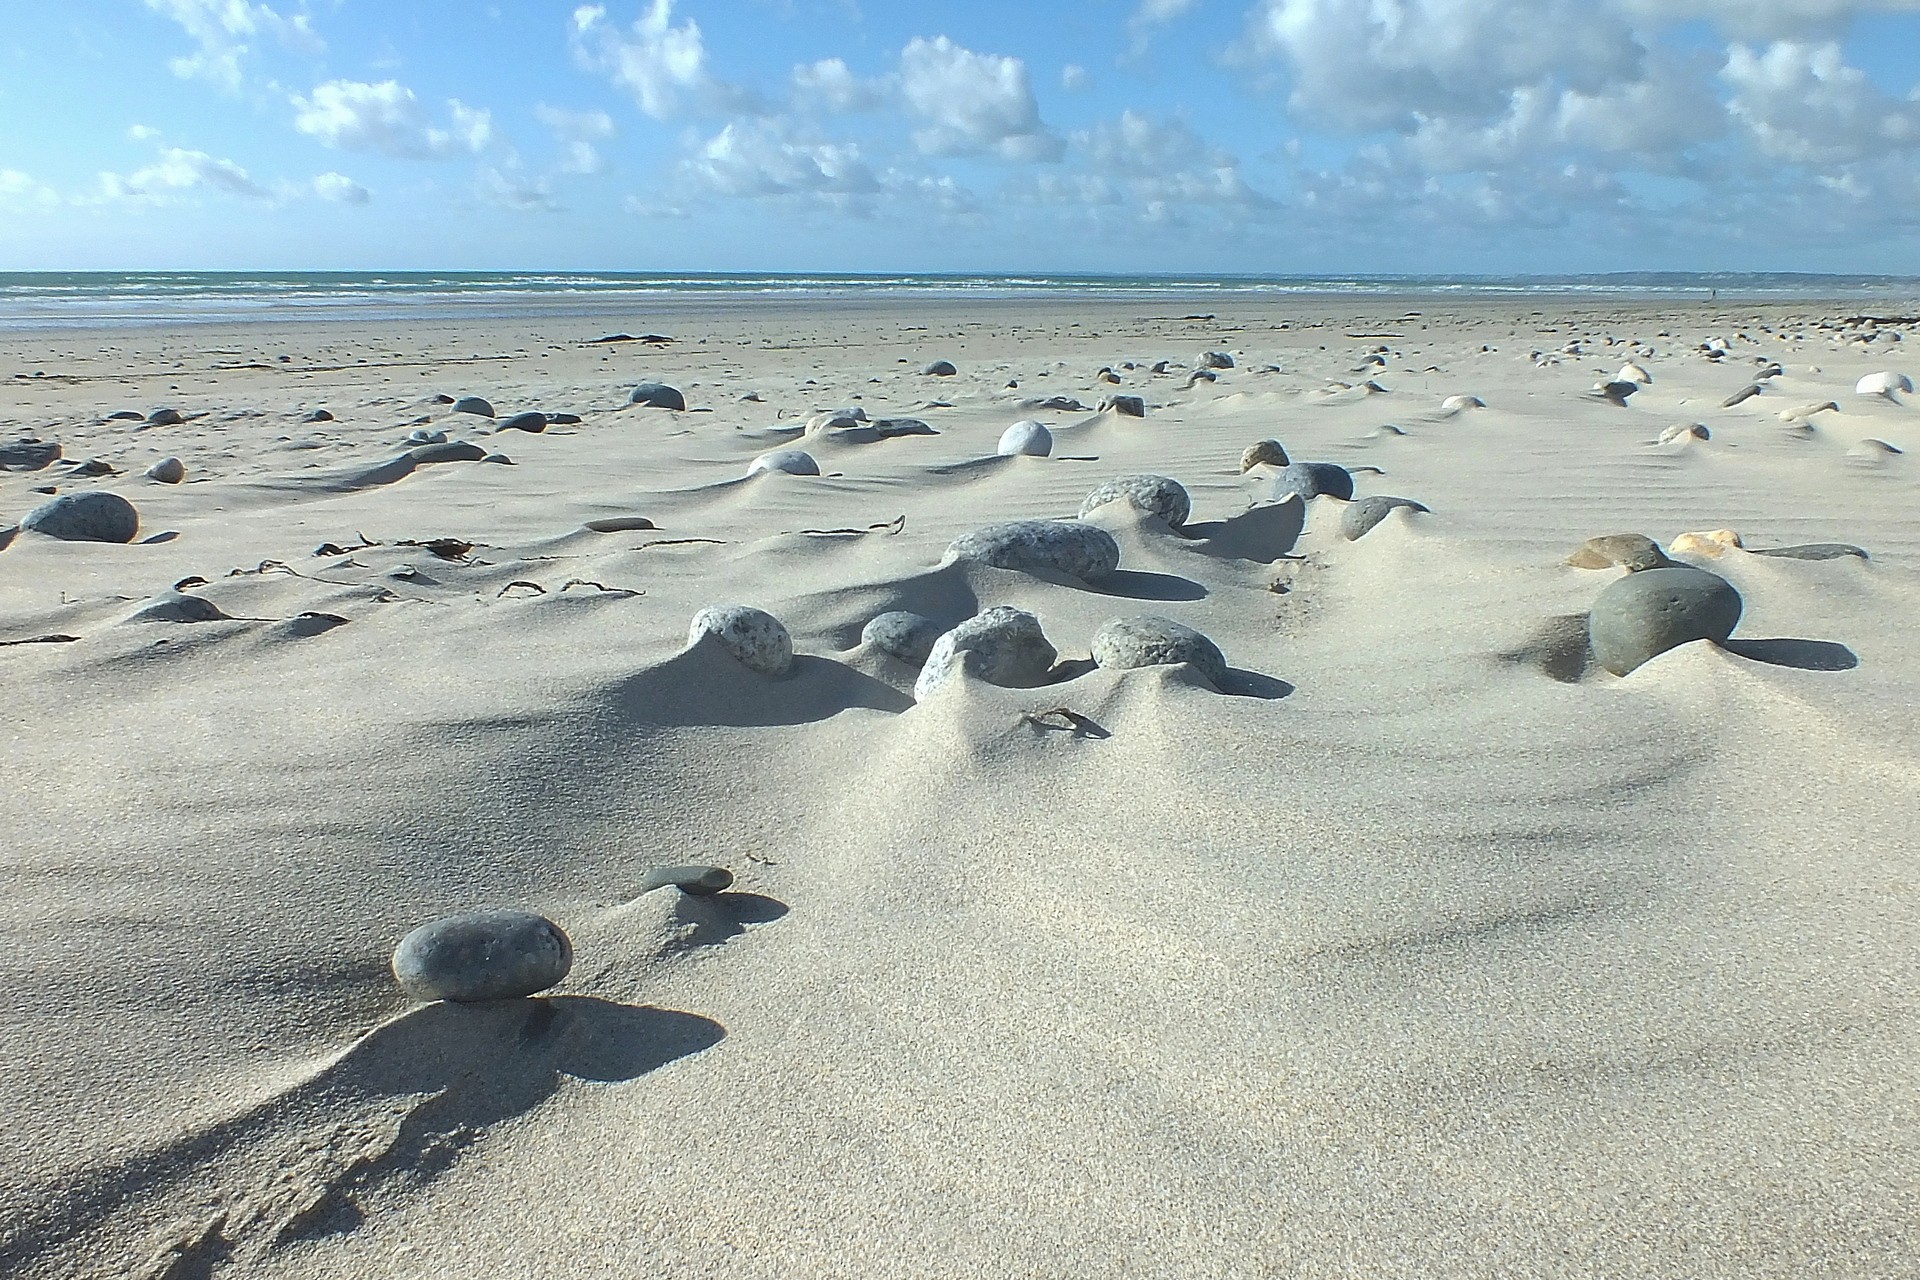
pixel 1712 543
pixel 1631 551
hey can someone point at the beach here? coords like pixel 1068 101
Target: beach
pixel 1414 944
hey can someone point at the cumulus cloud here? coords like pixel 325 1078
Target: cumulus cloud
pixel 762 158
pixel 578 133
pixel 830 85
pixel 386 117
pixel 1803 103
pixel 180 170
pixel 973 104
pixel 224 30
pixel 1074 77
pixel 515 191
pixel 1768 19
pixel 340 189
pixel 17 188
pixel 1162 167
pixel 657 63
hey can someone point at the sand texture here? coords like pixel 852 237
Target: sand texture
pixel 1417 946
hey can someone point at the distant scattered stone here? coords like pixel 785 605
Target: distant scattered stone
pixel 85 517
pixel 1459 404
pixel 165 418
pixel 756 639
pixel 302 625
pixel 1631 551
pixel 1157 495
pixel 318 415
pixel 1685 431
pixel 1052 404
pixel 619 524
pixel 563 419
pixel 657 395
pixel 1741 396
pixel 420 435
pixel 1870 447
pixel 1216 360
pixel 1816 551
pixel 499 458
pixel 1805 412
pixel 793 462
pixel 532 420
pixel 1644 614
pixel 1025 439
pixel 29 455
pixel 473 405
pixel 1149 641
pixel 1714 543
pixel 1263 453
pixel 1359 519
pixel 1616 392
pixel 91 467
pixel 447 451
pixel 907 636
pixel 1315 479
pixel 1001 645
pixel 483 955
pixel 939 369
pixel 176 606
pixel 168 471
pixel 1080 550
pixel 892 428
pixel 126 415
pixel 1126 406
pixel 701 882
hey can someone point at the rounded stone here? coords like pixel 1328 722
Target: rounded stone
pixel 793 462
pixel 701 882
pixel 907 636
pixel 1152 641
pixel 1216 360
pixel 447 451
pixel 176 606
pixel 1884 383
pixel 1359 519
pixel 1460 404
pixel 168 471
pixel 1025 439
pixel 165 418
pixel 1126 406
pixel 657 395
pixel 1001 645
pixel 532 420
pixel 1680 431
pixel 474 405
pixel 1270 453
pixel 1634 552
pixel 421 435
pixel 1079 550
pixel 85 517
pixel 1315 479
pixel 482 955
pixel 1156 495
pixel 939 369
pixel 1645 614
pixel 28 455
pixel 757 640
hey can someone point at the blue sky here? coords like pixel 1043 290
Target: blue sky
pixel 1263 136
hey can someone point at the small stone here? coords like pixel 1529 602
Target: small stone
pixel 1156 495
pixel 1633 552
pixel 939 369
pixel 1149 641
pixel 1459 404
pixel 1884 384
pixel 532 420
pixel 907 636
pixel 500 458
pixel 1685 431
pixel 85 517
pixel 483 955
pixel 422 436
pixel 1615 392
pixel 91 467
pixel 1001 645
pixel 1741 396
pixel 176 606
pixel 1052 404
pixel 1805 412
pixel 28 455
pixel 1216 360
pixel 1126 406
pixel 1817 551
pixel 1263 453
pixel 1025 439
pixel 619 524
pixel 1878 450
pixel 126 415
pixel 1714 543
pixel 563 419
pixel 1643 615
pixel 756 639
pixel 701 882
pixel 1313 480
pixel 448 451
pixel 1632 372
pixel 892 428
pixel 1079 550
pixel 318 415
pixel 165 418
pixel 1359 518
pixel 657 395
pixel 793 462
pixel 473 405
pixel 168 471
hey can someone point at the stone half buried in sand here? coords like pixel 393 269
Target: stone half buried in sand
pixel 1263 453
pixel 938 369
pixel 1216 360
pixel 905 635
pixel 1001 645
pixel 28 455
pixel 532 420
pixel 1460 404
pixel 85 517
pixel 1311 480
pixel 474 405
pixel 1685 432
pixel 483 955
pixel 175 606
pixel 1160 496
pixel 756 639
pixel 1644 614
pixel 1631 551
pixel 1149 641
pixel 167 471
pixel 1125 406
pixel 1080 550
pixel 792 462
pixel 657 395
pixel 1025 439
pixel 1885 384
pixel 1360 518
pixel 446 451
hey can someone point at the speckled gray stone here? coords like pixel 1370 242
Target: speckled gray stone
pixel 1359 519
pixel 1269 453
pixel 28 455
pixel 1083 551
pixel 177 607
pixel 756 639
pixel 1314 479
pixel 482 955
pixel 1001 645
pixel 1216 360
pixel 85 517
pixel 1150 641
pixel 474 405
pixel 1645 614
pixel 532 420
pixel 939 369
pixel 907 636
pixel 167 471
pixel 1126 406
pixel 1029 439
pixel 701 882
pixel 657 395
pixel 793 462
pixel 1156 495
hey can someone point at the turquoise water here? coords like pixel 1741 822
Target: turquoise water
pixel 90 299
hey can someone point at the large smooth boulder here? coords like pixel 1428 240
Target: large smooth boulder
pixel 657 395
pixel 482 955
pixel 1025 439
pixel 1360 518
pixel 1080 550
pixel 1157 495
pixel 1150 641
pixel 756 639
pixel 85 517
pixel 1001 645
pixel 1647 613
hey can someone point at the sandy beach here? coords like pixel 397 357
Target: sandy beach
pixel 1415 944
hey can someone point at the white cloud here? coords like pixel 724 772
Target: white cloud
pixel 657 63
pixel 224 29
pixel 1768 19
pixel 340 189
pixel 1153 12
pixel 512 191
pixel 577 132
pixel 973 103
pixel 180 170
pixel 388 118
pixel 760 158
pixel 20 188
pixel 1164 166
pixel 142 133
pixel 1803 103
pixel 1074 77
pixel 830 85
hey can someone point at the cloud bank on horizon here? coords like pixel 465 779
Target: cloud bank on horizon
pixel 1153 135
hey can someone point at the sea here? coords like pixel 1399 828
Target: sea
pixel 43 300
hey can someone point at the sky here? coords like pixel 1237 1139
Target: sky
pixel 1132 136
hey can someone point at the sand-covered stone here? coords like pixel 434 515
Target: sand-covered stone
pixel 166 418
pixel 167 471
pixel 1001 645
pixel 1359 519
pixel 657 395
pixel 1680 431
pixel 482 955
pixel 1816 551
pixel 756 639
pixel 1460 404
pixel 1263 453
pixel 1631 551
pixel 1157 495
pixel 1216 360
pixel 1314 480
pixel 907 636
pixel 1025 439
pixel 175 606
pixel 1885 384
pixel 474 405
pixel 701 882
pixel 1150 640
pixel 85 517
pixel 793 462
pixel 447 451
pixel 1071 547
pixel 420 435
pixel 939 369
pixel 1644 614
pixel 1125 406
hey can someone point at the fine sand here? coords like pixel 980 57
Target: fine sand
pixel 1424 949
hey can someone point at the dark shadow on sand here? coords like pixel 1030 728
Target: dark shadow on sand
pixel 706 686
pixel 1138 584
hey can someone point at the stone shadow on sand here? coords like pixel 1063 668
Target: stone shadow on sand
pixel 1804 655
pixel 1139 584
pixel 705 686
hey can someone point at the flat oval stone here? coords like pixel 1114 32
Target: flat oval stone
pixel 1001 645
pixel 701 882
pixel 1150 641
pixel 939 369
pixel 657 395
pixel 482 955
pixel 1080 550
pixel 474 405
pixel 1631 551
pixel 1314 479
pixel 1460 404
pixel 1157 495
pixel 1644 614
pixel 1359 519
pixel 450 451
pixel 793 462
pixel 532 420
pixel 756 639
pixel 1025 439
pixel 907 636
pixel 168 471
pixel 619 524
pixel 85 517
pixel 176 606
pixel 1270 453
pixel 1816 551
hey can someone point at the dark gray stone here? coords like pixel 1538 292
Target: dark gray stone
pixel 756 639
pixel 1150 641
pixel 1268 453
pixel 1359 519
pixel 1001 645
pixel 563 419
pixel 165 418
pixel 1313 480
pixel 28 455
pixel 1083 551
pixel 939 369
pixel 473 405
pixel 1126 406
pixel 701 882
pixel 483 955
pixel 451 451
pixel 619 524
pixel 657 395
pixel 177 607
pixel 126 415
pixel 1156 495
pixel 318 415
pixel 907 636
pixel 1815 551
pixel 1052 404
pixel 168 471
pixel 1216 360
pixel 420 435
pixel 85 517
pixel 532 420
pixel 1645 614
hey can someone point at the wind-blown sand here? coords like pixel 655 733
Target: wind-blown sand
pixel 1424 950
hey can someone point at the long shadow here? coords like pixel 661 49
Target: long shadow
pixel 1251 684
pixel 1805 655
pixel 706 686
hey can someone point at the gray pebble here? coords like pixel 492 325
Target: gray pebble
pixel 423 436
pixel 318 415
pixel 939 369
pixel 168 471
pixel 701 882
pixel 1024 439
pixel 85 517
pixel 793 462
pixel 1083 551
pixel 474 405
pixel 450 451
pixel 126 415
pixel 28 455
pixel 165 418
pixel 1270 453
pixel 483 955
pixel 177 607
pixel 756 639
pixel 1645 614
pixel 1126 406
pixel 1313 480
pixel 907 636
pixel 1631 551
pixel 1001 645
pixel 619 524
pixel 657 395
pixel 1216 360
pixel 532 420
pixel 1815 551
pixel 1156 495
pixel 1148 641
pixel 1360 517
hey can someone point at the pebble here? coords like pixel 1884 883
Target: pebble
pixel 532 420
pixel 28 455
pixel 85 517
pixel 1685 431
pixel 1805 412
pixel 701 882
pixel 1645 614
pixel 793 462
pixel 126 415
pixel 1872 448
pixel 1053 404
pixel 1714 542
pixel 168 471
pixel 447 451
pixel 1457 404
pixel 1216 360
pixel 165 418
pixel 1269 453
pixel 907 636
pixel 422 436
pixel 939 369
pixel 1615 392
pixel 756 639
pixel 1156 495
pixel 175 606
pixel 318 415
pixel 619 524
pixel 657 395
pixel 1313 480
pixel 474 405
pixel 1741 396
pixel 563 419
pixel 1001 645
pixel 1817 551
pixel 1126 406
pixel 1359 519
pixel 1079 550
pixel 1632 372
pixel 1631 551
pixel 482 955
pixel 1149 641
pixel 1884 384
pixel 1025 439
